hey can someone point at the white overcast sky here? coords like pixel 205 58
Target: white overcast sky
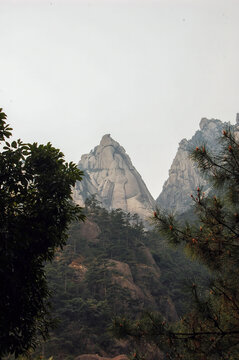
pixel 144 71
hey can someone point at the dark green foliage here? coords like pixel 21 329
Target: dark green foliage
pixel 210 330
pixel 85 302
pixel 178 272
pixel 86 286
pixel 35 211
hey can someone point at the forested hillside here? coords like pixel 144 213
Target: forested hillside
pixel 112 266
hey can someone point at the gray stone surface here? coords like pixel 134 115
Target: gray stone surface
pixel 111 176
pixel 184 177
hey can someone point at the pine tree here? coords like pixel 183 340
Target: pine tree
pixel 211 329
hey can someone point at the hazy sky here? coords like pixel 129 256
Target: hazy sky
pixel 144 71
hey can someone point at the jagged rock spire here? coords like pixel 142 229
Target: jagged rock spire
pixel 184 177
pixel 110 174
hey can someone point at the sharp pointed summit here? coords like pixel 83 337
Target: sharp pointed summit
pixel 111 176
pixel 184 176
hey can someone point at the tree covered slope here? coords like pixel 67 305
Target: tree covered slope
pixel 111 266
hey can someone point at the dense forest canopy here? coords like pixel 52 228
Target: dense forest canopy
pixel 113 266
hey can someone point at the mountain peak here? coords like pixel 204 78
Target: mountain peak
pixel 111 176
pixel 209 124
pixel 203 123
pixel 184 176
pixel 107 140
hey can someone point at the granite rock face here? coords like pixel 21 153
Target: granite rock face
pixel 184 177
pixel 110 175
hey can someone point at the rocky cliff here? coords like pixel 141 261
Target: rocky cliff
pixel 110 175
pixel 184 177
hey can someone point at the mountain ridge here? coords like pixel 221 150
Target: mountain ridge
pixel 112 178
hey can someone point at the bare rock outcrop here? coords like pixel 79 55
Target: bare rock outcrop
pixel 122 276
pixel 111 176
pixel 184 177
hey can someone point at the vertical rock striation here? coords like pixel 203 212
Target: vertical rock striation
pixel 110 175
pixel 184 177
